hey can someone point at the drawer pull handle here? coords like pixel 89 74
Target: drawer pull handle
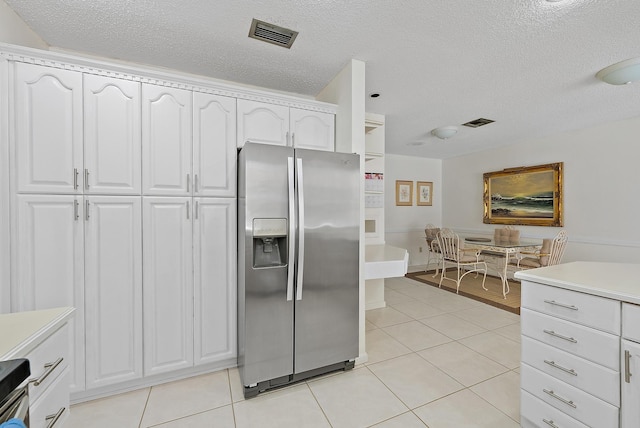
pixel 627 366
pixel 50 367
pixel 52 419
pixel 557 397
pixel 564 369
pixel 563 305
pixel 550 423
pixel 554 334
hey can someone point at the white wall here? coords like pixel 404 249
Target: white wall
pixel 15 31
pixel 601 196
pixel 404 226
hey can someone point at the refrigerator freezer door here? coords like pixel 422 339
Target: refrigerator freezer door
pixel 265 316
pixel 326 317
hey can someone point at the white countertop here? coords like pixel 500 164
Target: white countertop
pixel 385 261
pixel 620 281
pixel 21 332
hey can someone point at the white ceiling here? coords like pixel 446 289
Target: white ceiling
pixel 527 64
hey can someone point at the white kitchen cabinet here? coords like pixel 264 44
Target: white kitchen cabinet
pixel 41 337
pixel 214 148
pixel 214 279
pixel 49 264
pixel 630 361
pixel 113 289
pixel 166 141
pixel 112 144
pixel 47 143
pixel 280 125
pixel 312 130
pixel 262 123
pixel 167 284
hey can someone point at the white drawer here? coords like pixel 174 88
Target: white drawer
pixel 52 406
pixel 593 345
pixel 51 357
pixel 593 378
pixel 593 311
pixel 536 413
pixel 631 322
pixel 574 402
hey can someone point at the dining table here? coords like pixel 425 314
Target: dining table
pixel 503 250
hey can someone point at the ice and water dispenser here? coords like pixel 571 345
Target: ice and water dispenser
pixel 269 242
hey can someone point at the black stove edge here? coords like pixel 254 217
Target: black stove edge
pixel 12 374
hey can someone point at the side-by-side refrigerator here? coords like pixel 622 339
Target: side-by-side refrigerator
pixel 298 261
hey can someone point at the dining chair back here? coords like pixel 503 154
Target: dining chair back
pixel 466 261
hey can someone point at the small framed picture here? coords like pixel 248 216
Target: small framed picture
pixel 425 193
pixel 404 193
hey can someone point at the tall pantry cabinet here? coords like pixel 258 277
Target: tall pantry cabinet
pixel 123 206
pixel 77 136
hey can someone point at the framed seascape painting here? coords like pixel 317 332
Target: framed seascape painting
pixel 404 193
pixel 425 193
pixel 526 195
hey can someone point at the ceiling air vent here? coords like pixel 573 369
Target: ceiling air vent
pixel 273 34
pixel 478 123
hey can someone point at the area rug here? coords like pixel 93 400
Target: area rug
pixel 471 287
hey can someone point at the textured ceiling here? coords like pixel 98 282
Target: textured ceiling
pixel 527 64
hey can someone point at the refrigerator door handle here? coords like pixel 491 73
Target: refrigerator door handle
pixel 300 188
pixel 292 228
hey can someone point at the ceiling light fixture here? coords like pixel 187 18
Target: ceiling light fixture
pixel 621 73
pixel 445 132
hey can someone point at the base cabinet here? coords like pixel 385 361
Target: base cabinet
pixel 570 377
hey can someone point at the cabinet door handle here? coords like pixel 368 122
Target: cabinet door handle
pixel 557 397
pixel 76 215
pixel 49 368
pixel 627 366
pixel 293 139
pixel 195 183
pixel 86 178
pixel 53 419
pixel 86 210
pixel 550 423
pixel 564 369
pixel 563 305
pixel 560 336
pixel 197 207
pixel 188 183
pixel 75 178
pixel 188 209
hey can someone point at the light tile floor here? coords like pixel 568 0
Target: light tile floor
pixel 435 359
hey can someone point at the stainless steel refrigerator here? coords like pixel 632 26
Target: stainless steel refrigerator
pixel 298 262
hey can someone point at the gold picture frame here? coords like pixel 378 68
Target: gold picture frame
pixel 525 195
pixel 404 193
pixel 424 193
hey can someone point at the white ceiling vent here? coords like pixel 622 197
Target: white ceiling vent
pixel 273 34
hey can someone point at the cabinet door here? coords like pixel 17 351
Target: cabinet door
pixel 312 130
pixel 111 136
pixel 167 284
pixel 49 265
pixel 630 409
pixel 166 140
pixel 214 279
pixel 214 147
pixel 47 147
pixel 262 123
pixel 113 289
